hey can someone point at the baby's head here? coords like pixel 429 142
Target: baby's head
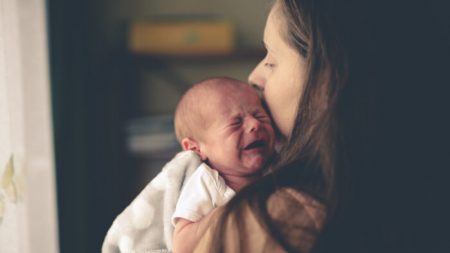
pixel 222 120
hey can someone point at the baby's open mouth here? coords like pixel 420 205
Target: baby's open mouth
pixel 255 144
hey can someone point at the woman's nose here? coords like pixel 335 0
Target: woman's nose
pixel 256 77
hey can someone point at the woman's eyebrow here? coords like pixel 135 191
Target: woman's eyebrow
pixel 268 48
pixel 263 43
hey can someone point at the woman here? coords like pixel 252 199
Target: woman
pixel 331 79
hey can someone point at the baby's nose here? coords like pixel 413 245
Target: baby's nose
pixel 252 124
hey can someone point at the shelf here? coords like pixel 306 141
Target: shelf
pixel 242 54
pixel 166 66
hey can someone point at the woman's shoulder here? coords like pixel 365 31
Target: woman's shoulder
pixel 288 201
pixel 298 216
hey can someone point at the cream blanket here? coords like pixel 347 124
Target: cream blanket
pixel 145 225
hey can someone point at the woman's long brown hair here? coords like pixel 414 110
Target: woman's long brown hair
pixel 307 161
pixel 349 146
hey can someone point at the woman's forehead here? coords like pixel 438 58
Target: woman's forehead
pixel 274 29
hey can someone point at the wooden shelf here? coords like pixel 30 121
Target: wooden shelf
pixel 242 54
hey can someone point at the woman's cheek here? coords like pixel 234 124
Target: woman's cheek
pixel 283 107
pixel 277 115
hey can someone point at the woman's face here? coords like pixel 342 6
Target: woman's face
pixel 281 74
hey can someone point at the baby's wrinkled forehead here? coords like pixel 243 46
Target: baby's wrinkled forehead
pixel 233 102
pixel 223 91
pixel 217 98
pixel 242 95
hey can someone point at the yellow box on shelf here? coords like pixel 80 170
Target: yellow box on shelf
pixel 182 37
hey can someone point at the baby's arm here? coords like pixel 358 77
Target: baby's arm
pixel 187 233
pixel 203 192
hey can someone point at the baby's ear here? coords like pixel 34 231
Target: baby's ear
pixel 191 144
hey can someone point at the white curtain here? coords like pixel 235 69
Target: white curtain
pixel 28 220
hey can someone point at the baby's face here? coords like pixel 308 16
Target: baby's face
pixel 239 139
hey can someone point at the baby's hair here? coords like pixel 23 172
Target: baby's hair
pixel 189 111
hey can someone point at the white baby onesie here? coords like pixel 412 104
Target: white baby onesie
pixel 203 191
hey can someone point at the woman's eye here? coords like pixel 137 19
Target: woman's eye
pixel 269 65
pixel 269 61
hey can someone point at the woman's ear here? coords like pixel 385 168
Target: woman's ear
pixel 191 144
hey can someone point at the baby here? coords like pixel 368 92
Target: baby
pixel 223 121
pixel 228 138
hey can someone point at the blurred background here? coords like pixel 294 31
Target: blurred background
pixel 117 70
pixel 87 93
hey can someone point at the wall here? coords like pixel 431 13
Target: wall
pixel 27 192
